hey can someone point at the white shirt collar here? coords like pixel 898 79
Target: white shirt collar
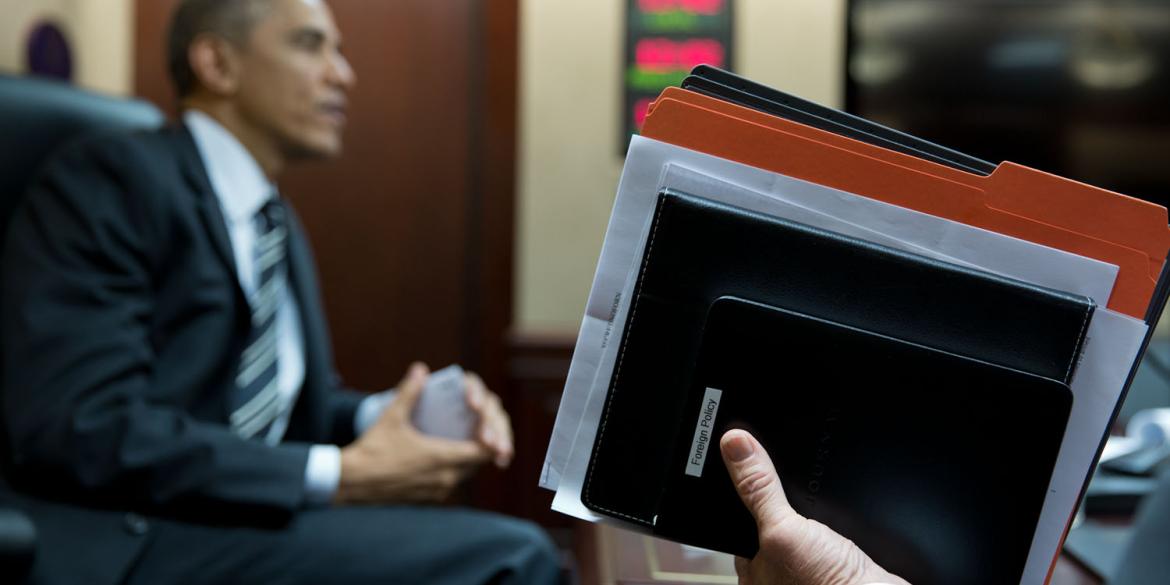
pixel 236 177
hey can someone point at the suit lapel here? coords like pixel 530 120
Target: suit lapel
pixel 211 216
pixel 209 208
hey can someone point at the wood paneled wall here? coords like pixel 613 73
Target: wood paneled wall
pixel 537 369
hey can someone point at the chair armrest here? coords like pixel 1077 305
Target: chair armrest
pixel 18 545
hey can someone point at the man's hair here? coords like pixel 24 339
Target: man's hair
pixel 231 19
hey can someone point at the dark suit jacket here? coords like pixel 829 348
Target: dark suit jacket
pixel 122 327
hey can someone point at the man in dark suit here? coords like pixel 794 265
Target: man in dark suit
pixel 170 407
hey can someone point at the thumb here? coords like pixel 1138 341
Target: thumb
pixel 409 390
pixel 754 477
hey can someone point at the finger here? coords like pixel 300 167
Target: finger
pixel 409 390
pixel 477 401
pixel 499 416
pixel 502 450
pixel 492 429
pixel 508 444
pixel 486 432
pixel 473 391
pixel 452 453
pixel 754 477
pixel 498 432
pixel 742 566
pixel 502 424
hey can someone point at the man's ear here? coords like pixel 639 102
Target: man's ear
pixel 216 64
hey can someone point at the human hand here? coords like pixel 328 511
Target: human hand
pixel 794 550
pixel 392 462
pixel 494 429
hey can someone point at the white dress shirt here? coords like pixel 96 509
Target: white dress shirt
pixel 242 189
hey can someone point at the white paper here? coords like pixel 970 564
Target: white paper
pixel 1113 339
pixel 1112 346
pixel 442 409
pixel 644 175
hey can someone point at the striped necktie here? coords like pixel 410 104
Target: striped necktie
pixel 257 399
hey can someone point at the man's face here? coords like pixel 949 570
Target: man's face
pixel 294 79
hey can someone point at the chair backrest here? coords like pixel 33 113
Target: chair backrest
pixel 37 116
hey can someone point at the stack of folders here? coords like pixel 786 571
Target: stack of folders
pixel 930 347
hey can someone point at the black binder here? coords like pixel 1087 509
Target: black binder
pixel 846 359
pixel 721 84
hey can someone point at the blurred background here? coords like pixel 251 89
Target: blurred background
pixel 486 140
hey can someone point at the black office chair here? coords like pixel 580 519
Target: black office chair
pixel 36 117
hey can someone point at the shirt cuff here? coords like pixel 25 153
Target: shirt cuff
pixel 369 409
pixel 322 474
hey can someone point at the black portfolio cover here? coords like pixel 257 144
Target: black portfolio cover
pixel 915 406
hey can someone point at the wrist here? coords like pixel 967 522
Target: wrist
pixel 348 479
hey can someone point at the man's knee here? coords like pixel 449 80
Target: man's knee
pixel 532 557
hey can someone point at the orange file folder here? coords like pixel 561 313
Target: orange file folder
pixel 1014 201
pixel 1047 198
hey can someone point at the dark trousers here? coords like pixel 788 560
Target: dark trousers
pixel 398 544
pixel 354 545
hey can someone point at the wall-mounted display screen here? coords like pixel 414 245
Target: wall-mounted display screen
pixel 1080 88
pixel 664 40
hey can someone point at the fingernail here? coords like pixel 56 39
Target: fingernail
pixel 738 447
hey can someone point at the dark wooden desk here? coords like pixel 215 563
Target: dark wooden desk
pixel 615 557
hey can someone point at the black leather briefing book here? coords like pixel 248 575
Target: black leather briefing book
pixel 915 406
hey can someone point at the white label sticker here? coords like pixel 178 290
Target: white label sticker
pixel 704 432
